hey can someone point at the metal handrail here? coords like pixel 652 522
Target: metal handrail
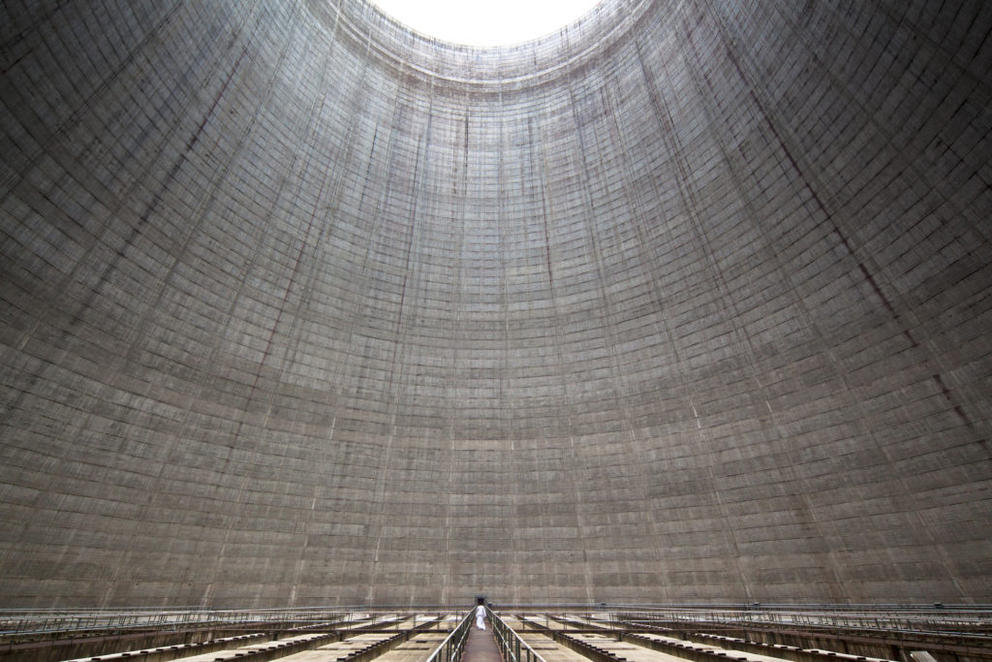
pixel 450 649
pixel 511 646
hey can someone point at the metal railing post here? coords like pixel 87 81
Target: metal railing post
pixel 510 642
pixel 450 649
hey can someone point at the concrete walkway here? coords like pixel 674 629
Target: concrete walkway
pixel 481 647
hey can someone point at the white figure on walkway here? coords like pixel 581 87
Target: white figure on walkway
pixel 480 617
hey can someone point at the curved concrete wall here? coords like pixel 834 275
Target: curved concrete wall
pixel 689 301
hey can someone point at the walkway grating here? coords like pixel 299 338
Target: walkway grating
pixel 480 646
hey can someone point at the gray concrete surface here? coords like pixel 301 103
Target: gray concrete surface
pixel 688 301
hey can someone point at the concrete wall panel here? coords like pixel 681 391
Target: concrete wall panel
pixel 687 301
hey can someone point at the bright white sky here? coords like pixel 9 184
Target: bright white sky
pixel 485 23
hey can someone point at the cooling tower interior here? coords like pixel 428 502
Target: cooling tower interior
pixel 687 302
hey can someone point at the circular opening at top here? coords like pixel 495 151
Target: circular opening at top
pixel 492 23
